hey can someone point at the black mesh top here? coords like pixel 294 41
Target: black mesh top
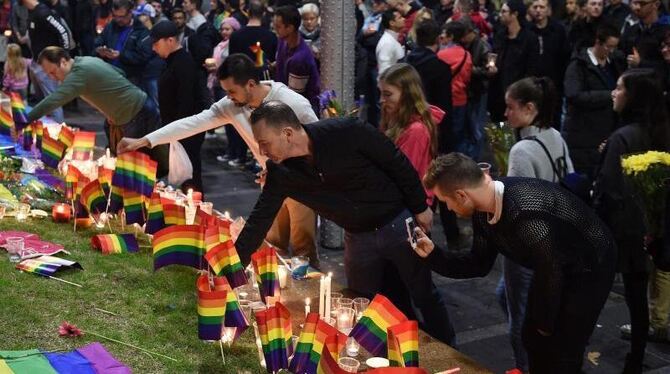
pixel 542 227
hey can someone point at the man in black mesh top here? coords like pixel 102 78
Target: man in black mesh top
pixel 543 227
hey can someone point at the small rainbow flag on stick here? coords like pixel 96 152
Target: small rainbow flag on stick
pixel 27 137
pixel 224 260
pixel 93 198
pixel 211 309
pixel 133 207
pixel 46 265
pixel 266 268
pixel 6 122
pixel 179 245
pixel 323 331
pixel 115 243
pixel 18 109
pixel 331 353
pixel 174 214
pixel 52 151
pixel 155 217
pixel 235 318
pixel 274 327
pixel 115 199
pixel 38 129
pixel 403 344
pixel 300 358
pixel 66 136
pixel 82 145
pixel 135 171
pixel 370 331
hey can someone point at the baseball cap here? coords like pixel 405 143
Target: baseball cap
pixel 161 30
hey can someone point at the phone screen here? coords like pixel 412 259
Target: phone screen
pixel 412 237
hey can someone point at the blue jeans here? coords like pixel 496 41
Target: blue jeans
pixel 46 86
pixel 512 293
pixel 476 117
pixel 368 254
pixel 150 86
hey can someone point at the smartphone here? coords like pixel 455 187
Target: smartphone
pixel 412 236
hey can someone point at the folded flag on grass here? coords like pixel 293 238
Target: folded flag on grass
pixel 89 359
pixel 82 145
pixel 211 309
pixel 174 214
pixel 266 267
pixel 52 151
pixel 303 349
pixel 155 215
pixel 135 171
pixel 235 318
pixel 115 243
pixel 371 330
pixel 46 265
pixel 6 122
pixel 179 245
pixel 133 206
pixel 403 344
pixel 66 136
pixel 93 198
pixel 274 328
pixel 224 260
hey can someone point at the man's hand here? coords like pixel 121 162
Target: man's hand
pixel 633 59
pixel 260 177
pixel 424 246
pixel 130 144
pixel 425 220
pixel 113 54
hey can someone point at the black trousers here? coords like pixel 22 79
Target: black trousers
pixel 635 285
pixel 582 299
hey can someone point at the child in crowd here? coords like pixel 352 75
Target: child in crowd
pixel 15 77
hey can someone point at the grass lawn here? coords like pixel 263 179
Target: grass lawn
pixel 156 311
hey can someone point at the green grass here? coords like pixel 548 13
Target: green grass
pixel 156 310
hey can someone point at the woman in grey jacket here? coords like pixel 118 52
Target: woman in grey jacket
pixel 540 153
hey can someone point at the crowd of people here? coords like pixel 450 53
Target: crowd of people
pixel 581 82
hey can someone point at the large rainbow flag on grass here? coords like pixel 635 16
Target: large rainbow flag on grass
pixel 66 136
pixel 18 109
pixel 174 214
pixel 303 349
pixel 6 122
pixel 82 145
pixel 266 268
pixel 133 207
pixel 211 309
pixel 155 215
pixel 52 151
pixel 179 245
pixel 403 344
pixel 89 359
pixel 135 171
pixel 274 327
pixel 93 198
pixel 115 243
pixel 46 265
pixel 370 330
pixel 224 260
pixel 235 318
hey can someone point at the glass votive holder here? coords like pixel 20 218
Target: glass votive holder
pixel 352 347
pixel 299 265
pixel 360 304
pixel 334 300
pixel 23 212
pixel 207 207
pixel 348 364
pixel 329 320
pixel 14 247
pixel 282 273
pixel 245 305
pixel 345 318
pixel 344 302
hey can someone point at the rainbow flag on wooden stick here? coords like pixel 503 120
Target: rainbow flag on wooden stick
pixel 274 327
pixel 403 344
pixel 71 179
pixel 323 331
pixel 211 309
pixel 46 265
pixel 133 207
pixel 52 151
pixel 303 349
pixel 155 215
pixel 266 268
pixel 18 109
pixel 6 122
pixel 93 198
pixel 38 129
pixel 331 353
pixel 135 171
pixel 115 243
pixel 224 260
pixel 179 245
pixel 66 136
pixel 174 214
pixel 371 330
pixel 82 145
pixel 235 318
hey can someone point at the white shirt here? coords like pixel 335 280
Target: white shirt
pixel 225 112
pixel 195 21
pixel 388 51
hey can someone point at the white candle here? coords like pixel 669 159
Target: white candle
pixel 282 272
pixel 322 291
pixel 307 309
pixel 328 285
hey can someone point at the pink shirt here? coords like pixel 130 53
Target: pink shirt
pixel 12 83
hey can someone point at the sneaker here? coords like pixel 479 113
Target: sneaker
pixel 223 158
pixel 236 163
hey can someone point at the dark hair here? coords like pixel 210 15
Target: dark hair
pixel 455 30
pixel 256 9
pixel 240 67
pixel 518 7
pixel 53 54
pixel 123 4
pixel 177 10
pixel 539 91
pixel 605 31
pixel 427 33
pixel 275 114
pixel 198 4
pixel 387 17
pixel 645 106
pixel 453 171
pixel 290 16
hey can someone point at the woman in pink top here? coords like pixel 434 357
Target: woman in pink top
pixel 408 119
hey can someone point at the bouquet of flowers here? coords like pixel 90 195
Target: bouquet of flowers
pixel 649 174
pixel 501 139
pixel 330 107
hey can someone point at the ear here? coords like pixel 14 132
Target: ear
pixel 461 196
pixel 288 131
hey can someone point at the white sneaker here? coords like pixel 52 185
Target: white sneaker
pixel 223 158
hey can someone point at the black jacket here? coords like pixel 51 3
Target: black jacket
pixel 177 88
pixel 583 34
pixel 590 118
pixel 616 14
pixel 647 41
pixel 136 53
pixel 553 52
pixel 359 179
pixel 435 76
pixel 45 30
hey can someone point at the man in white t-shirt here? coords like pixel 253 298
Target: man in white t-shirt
pixel 295 223
pixel 192 9
pixel 389 50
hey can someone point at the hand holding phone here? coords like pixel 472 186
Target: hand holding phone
pixel 412 236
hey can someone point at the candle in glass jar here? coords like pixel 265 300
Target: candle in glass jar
pixel 61 212
pixel 307 309
pixel 282 273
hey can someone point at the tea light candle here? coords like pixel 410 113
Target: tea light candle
pixel 23 212
pixel 61 212
pixel 307 309
pixel 282 272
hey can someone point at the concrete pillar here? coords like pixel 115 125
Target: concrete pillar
pixel 338 30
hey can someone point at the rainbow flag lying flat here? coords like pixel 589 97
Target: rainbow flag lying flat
pixel 300 358
pixel 211 309
pixel 266 267
pixel 66 136
pixel 235 318
pixel 89 359
pixel 133 207
pixel 403 344
pixel 135 171
pixel 155 215
pixel 6 122
pixel 46 265
pixel 82 145
pixel 179 245
pixel 18 108
pixel 323 331
pixel 115 243
pixel 52 151
pixel 93 198
pixel 331 353
pixel 370 331
pixel 224 260
pixel 174 214
pixel 274 327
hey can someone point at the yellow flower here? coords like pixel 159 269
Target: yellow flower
pixel 638 163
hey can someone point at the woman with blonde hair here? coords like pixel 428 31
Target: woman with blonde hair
pixel 407 118
pixel 16 71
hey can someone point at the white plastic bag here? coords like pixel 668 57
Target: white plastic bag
pixel 181 168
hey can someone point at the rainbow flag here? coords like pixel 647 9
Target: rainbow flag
pixel 331 353
pixel 266 266
pixel 46 265
pixel 133 207
pixel 93 198
pixel 71 179
pixel 155 217
pixel 370 331
pixel 234 315
pixel 403 344
pixel 135 171
pixel 27 137
pixel 260 54
pixel 82 145
pixel 38 129
pixel 18 108
pixel 224 260
pixel 115 199
pixel 274 327
pixel 6 122
pixel 52 151
pixel 323 331
pixel 115 243
pixel 204 219
pixel 304 347
pixel 174 214
pixel 211 309
pixel 66 136
pixel 179 245
pixel 105 178
pixel 89 359
pixel 390 370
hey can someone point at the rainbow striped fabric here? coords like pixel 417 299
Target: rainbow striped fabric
pixel 179 245
pixel 155 217
pixel 27 137
pixel 370 330
pixel 135 171
pixel 133 206
pixel 323 331
pixel 46 265
pixel 93 198
pixel 115 199
pixel 38 129
pixel 115 243
pixel 403 344
pixel 224 260
pixel 303 349
pixel 105 178
pixel 18 108
pixel 234 316
pixel 71 179
pixel 6 122
pixel 174 214
pixel 331 353
pixel 266 267
pixel 203 218
pixel 274 327
pixel 66 136
pixel 211 309
pixel 82 145
pixel 52 151
pixel 89 359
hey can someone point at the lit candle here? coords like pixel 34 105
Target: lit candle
pixel 61 212
pixel 322 293
pixel 189 196
pixel 328 285
pixel 307 302
pixel 282 272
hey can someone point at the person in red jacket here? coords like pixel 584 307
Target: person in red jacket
pixel 408 119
